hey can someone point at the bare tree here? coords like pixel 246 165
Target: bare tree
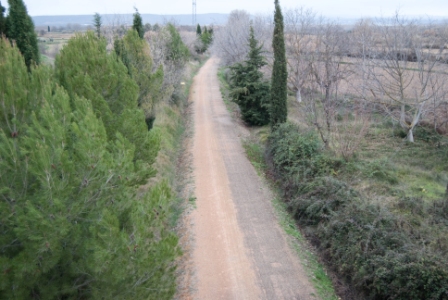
pixel 402 72
pixel 300 45
pixel 327 69
pixel 230 41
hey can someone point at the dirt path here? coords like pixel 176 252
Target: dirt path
pixel 239 251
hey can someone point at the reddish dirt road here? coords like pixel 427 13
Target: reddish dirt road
pixel 239 250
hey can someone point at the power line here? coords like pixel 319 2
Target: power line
pixel 194 12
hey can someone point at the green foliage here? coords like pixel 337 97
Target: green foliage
pixel 16 101
pixel 97 23
pixel 278 105
pixel 248 89
pixel 135 55
pixel 85 69
pixel 71 223
pixel 137 24
pixel 20 29
pixel 387 251
pixel 2 20
pixel 204 39
pixel 297 155
pixel 178 53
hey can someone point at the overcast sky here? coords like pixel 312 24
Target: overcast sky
pixel 330 8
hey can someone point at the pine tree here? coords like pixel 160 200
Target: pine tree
pixel 177 52
pixel 97 22
pixel 85 69
pixel 2 20
pixel 198 30
pixel 135 54
pixel 249 90
pixel 278 105
pixel 20 28
pixel 138 24
pixel 70 215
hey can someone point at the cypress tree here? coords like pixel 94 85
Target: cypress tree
pixel 97 22
pixel 20 28
pixel 278 105
pixel 2 20
pixel 138 24
pixel 198 30
pixel 249 90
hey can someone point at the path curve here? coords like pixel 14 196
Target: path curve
pixel 239 250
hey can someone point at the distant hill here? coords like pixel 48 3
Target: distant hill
pixel 203 19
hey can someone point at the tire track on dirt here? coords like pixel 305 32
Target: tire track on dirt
pixel 239 252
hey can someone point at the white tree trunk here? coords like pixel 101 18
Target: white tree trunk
pixel 299 96
pixel 410 136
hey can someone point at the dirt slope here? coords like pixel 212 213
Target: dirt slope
pixel 239 251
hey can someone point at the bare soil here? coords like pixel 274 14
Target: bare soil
pixel 237 249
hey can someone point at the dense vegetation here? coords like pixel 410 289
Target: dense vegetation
pixel 75 149
pixel 394 250
pixel 249 90
pixel 204 38
pixel 363 162
pixel 19 27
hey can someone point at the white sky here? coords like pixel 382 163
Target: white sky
pixel 330 8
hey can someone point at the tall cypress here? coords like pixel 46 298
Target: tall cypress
pixel 2 20
pixel 278 107
pixel 20 28
pixel 97 23
pixel 138 24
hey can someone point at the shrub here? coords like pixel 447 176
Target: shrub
pixel 296 154
pixel 387 252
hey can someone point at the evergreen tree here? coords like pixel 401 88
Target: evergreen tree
pixel 85 69
pixel 249 90
pixel 178 53
pixel 278 105
pixel 97 22
pixel 20 28
pixel 135 54
pixel 71 223
pixel 138 24
pixel 198 30
pixel 2 20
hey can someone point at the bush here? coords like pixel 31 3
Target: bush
pixel 387 252
pixel 297 155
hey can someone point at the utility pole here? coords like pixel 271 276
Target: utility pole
pixel 194 13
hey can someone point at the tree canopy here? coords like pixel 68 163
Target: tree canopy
pixel 249 90
pixel 74 147
pixel 278 107
pixel 20 28
pixel 97 23
pixel 137 24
